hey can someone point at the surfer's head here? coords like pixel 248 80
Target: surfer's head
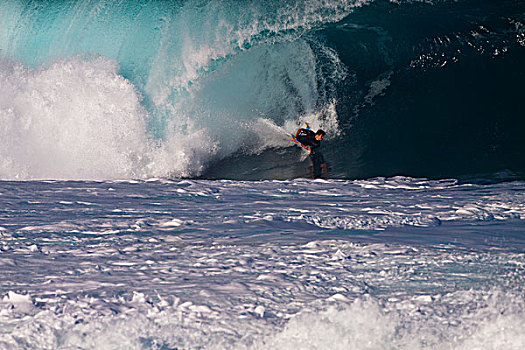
pixel 319 135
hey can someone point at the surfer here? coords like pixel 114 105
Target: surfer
pixel 311 141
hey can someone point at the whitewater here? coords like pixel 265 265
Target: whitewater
pixel 151 196
pixel 168 264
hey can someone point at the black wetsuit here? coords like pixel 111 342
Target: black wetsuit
pixel 307 138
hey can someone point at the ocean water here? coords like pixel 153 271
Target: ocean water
pixel 95 89
pixel 395 263
pixel 151 196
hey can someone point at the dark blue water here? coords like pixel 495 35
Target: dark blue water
pixel 453 106
pixel 433 90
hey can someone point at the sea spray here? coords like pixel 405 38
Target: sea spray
pixel 75 118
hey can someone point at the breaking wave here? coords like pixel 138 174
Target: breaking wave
pixel 97 90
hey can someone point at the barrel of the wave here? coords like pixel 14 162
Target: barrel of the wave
pixel 311 141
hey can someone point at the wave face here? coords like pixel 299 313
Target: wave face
pixel 96 90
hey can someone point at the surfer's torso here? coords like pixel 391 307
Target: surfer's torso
pixel 307 138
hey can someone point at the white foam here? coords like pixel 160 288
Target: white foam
pixel 361 326
pixel 80 119
pixel 173 222
pixel 21 303
pixel 365 324
pixel 76 118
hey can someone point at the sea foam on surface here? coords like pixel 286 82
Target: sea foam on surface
pixel 233 264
